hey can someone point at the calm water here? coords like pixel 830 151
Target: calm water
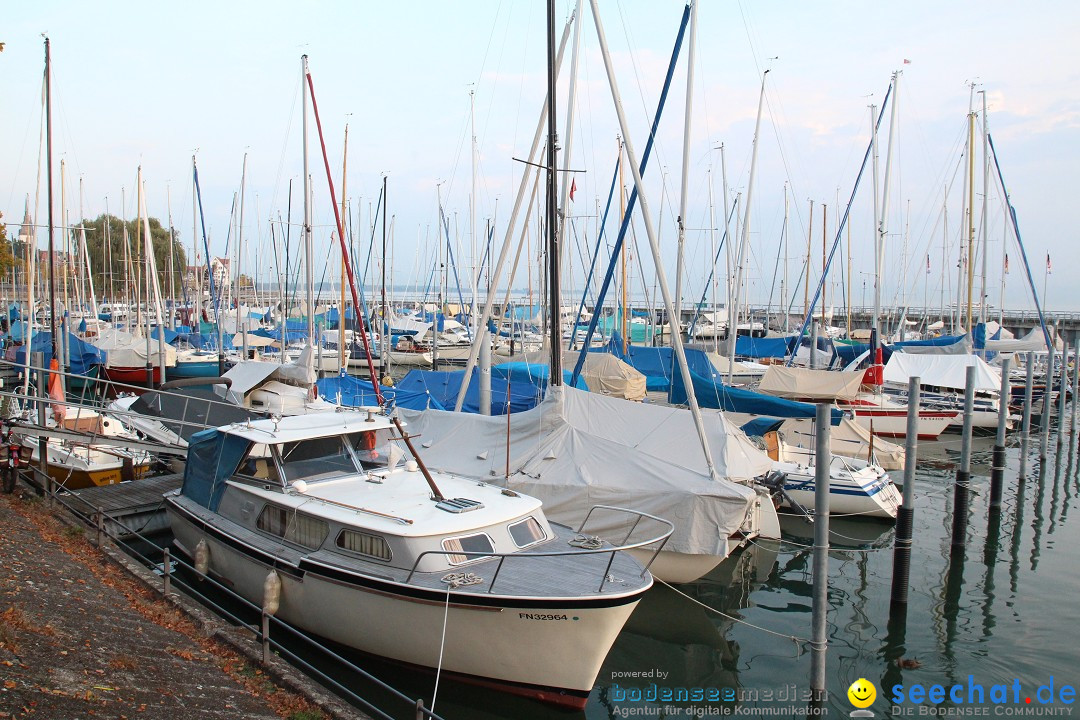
pixel 1003 610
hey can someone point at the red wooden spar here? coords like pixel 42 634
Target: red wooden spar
pixel 344 249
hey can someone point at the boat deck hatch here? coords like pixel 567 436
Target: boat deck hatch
pixel 459 505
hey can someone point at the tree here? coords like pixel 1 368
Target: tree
pixel 7 255
pixel 107 263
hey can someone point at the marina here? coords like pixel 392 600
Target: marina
pixel 785 426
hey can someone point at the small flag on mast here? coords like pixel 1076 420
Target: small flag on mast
pixel 1006 263
pixel 906 61
pixel 1049 270
pixel 573 188
pixel 928 263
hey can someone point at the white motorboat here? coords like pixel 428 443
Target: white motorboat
pixel 856 488
pixel 306 516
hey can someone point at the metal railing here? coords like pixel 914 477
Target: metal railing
pixel 97 520
pixel 611 549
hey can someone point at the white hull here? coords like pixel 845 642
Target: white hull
pixel 548 649
pixel 893 423
pixel 865 491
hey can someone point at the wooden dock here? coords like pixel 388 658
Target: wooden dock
pixel 129 507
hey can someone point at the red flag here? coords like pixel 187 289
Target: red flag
pixel 906 61
pixel 1006 263
pixel 573 187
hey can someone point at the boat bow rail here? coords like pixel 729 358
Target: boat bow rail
pixel 590 545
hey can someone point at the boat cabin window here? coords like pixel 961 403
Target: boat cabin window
pixel 318 459
pixel 259 465
pixel 372 546
pixel 292 526
pixel 479 543
pixel 527 532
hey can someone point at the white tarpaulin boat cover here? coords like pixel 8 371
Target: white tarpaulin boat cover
pixel 948 371
pixel 578 449
pixel 960 347
pixel 849 439
pixel 603 373
pixel 250 374
pixel 1034 341
pixel 125 350
pixel 799 383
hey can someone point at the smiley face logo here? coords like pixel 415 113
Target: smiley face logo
pixel 862 693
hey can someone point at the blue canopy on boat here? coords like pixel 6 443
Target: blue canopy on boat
pixel 213 457
pixel 532 373
pixel 766 347
pixel 171 336
pixel 355 392
pixel 714 394
pixel 655 363
pixel 444 386
pixel 82 354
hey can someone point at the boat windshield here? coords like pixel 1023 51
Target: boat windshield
pixel 318 459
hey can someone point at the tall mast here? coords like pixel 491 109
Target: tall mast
pixel 784 288
pixel 684 191
pixel 341 305
pixel 985 206
pixel 744 241
pixel 49 185
pixel 883 217
pixel 309 261
pixel 555 375
pixel 632 160
pixel 876 319
pixel 824 233
pixel 726 239
pixel 86 254
pixel 172 261
pixel 472 214
pixel 384 312
pixel 971 217
pixel 809 240
pixel 622 255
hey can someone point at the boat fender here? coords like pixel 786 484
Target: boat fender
pixel 202 557
pixel 411 466
pixel 271 593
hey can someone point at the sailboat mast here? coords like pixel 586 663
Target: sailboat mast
pixel 49 185
pixel 341 305
pixel 555 327
pixel 622 255
pixel 875 319
pixel 684 191
pixel 744 242
pixel 883 218
pixel 971 217
pixel 309 261
pixel 384 312
pixel 172 262
pixel 985 208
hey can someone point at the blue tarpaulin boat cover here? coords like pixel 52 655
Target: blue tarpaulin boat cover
pixel 655 363
pixel 171 336
pixel 444 385
pixel 83 355
pixel 532 373
pixel 714 394
pixel 767 347
pixel 354 392
pixel 212 458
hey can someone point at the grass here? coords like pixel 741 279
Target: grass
pixel 73 532
pixel 307 715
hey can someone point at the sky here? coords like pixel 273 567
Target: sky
pixel 153 85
